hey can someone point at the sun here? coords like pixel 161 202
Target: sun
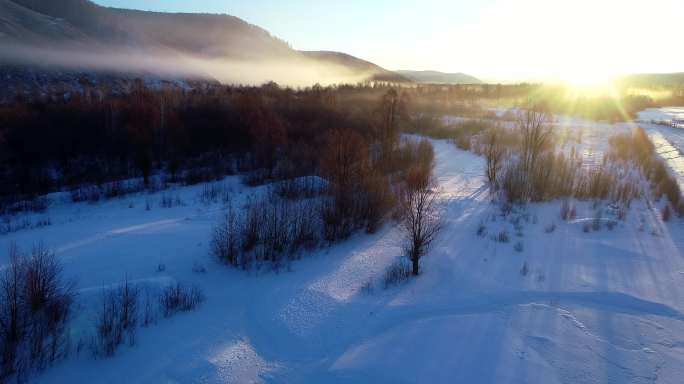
pixel 591 82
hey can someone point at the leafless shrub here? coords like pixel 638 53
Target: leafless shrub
pixel 198 267
pixel 596 221
pixel 621 212
pixel 503 237
pixel 212 193
pixel 494 155
pixel 35 305
pixel 376 200
pixel 304 226
pixel 567 210
pixel 525 269
pixel 481 230
pixel 669 187
pixel 514 183
pixel 299 188
pixel 518 247
pixel 116 320
pixel 170 201
pixel 108 335
pixel 550 228
pixel 149 309
pixel 11 226
pixel 680 209
pixel 666 212
pixel 110 190
pixel 275 234
pixel 225 242
pixel 336 225
pixel 21 205
pixel 256 177
pixel 367 288
pixel 396 274
pixel 180 298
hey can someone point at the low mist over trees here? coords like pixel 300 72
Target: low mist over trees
pixel 62 140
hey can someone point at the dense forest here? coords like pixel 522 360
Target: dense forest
pixel 60 142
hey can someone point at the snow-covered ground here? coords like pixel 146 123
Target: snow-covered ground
pixel 566 307
pixel 664 115
pixel 589 137
pixel 669 140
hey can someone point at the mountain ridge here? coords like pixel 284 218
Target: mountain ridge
pixel 437 77
pixel 81 36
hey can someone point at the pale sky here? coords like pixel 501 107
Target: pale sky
pixel 491 39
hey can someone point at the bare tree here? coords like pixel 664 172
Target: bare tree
pixel 392 113
pixel 421 221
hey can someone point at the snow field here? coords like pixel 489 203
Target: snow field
pixel 592 307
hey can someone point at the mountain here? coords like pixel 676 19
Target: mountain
pixel 21 25
pixel 196 34
pixel 434 77
pixel 76 38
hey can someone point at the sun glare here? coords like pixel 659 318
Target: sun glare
pixel 590 83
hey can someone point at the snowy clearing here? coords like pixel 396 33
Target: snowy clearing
pixel 567 306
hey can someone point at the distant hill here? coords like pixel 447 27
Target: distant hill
pixel 653 80
pixel 356 65
pixel 435 77
pixel 69 39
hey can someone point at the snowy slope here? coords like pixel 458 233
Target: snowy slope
pixel 599 307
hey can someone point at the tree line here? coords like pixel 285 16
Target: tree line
pixel 269 131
